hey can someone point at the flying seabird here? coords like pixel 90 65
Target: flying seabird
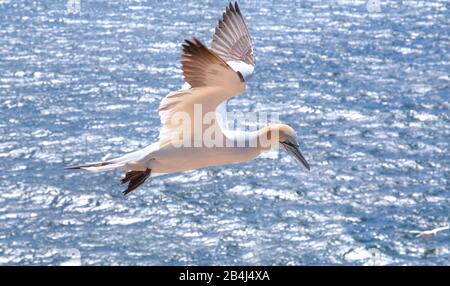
pixel 213 76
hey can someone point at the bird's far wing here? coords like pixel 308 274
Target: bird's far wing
pixel 231 39
pixel 203 67
pixel 212 81
pixel 232 42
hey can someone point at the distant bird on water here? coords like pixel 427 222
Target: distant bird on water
pixel 213 76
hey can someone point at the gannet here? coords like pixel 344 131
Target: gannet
pixel 431 232
pixel 213 76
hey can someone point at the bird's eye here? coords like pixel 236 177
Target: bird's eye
pixel 241 77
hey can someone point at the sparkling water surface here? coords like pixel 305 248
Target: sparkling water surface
pixel 367 89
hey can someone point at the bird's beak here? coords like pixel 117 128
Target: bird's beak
pixel 293 150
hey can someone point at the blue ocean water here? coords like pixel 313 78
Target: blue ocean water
pixel 368 90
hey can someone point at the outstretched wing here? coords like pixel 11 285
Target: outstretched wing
pixel 212 81
pixel 231 39
pixel 232 42
pixel 203 67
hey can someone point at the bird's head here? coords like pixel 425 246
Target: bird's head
pixel 285 138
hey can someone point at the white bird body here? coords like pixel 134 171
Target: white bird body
pixel 171 159
pixel 166 157
pixel 213 76
pixel 430 233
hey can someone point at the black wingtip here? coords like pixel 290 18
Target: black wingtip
pixel 227 9
pixel 236 7
pixel 231 6
pixel 72 168
pixel 192 42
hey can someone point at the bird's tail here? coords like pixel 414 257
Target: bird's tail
pixel 97 166
pixel 127 161
pixel 133 178
pixel 135 165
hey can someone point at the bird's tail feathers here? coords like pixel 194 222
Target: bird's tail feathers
pixel 97 166
pixel 121 162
